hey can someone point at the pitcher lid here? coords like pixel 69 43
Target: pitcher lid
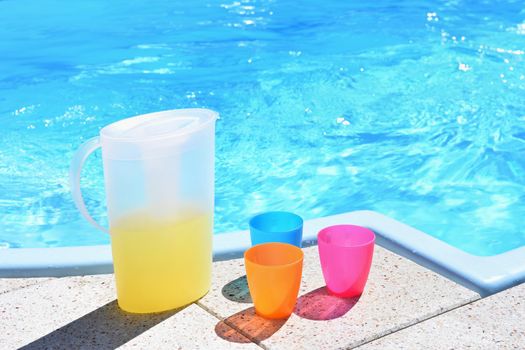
pixel 159 125
pixel 159 134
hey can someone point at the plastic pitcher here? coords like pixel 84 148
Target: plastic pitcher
pixel 159 181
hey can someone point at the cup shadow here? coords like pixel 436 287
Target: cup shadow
pixel 107 327
pixel 237 290
pixel 249 325
pixel 320 305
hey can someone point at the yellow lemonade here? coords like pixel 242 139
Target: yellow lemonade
pixel 161 265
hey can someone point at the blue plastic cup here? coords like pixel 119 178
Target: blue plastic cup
pixel 276 226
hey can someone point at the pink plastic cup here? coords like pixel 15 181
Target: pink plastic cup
pixel 346 255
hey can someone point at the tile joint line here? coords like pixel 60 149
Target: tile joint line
pixel 418 322
pixel 229 325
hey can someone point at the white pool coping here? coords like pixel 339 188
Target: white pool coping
pixel 483 274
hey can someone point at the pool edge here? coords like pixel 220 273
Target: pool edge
pixel 485 275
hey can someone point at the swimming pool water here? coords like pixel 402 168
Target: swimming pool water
pixel 415 109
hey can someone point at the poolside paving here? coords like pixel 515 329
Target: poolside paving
pixel 404 306
pixel 10 284
pixel 495 322
pixel 81 312
pixel 399 293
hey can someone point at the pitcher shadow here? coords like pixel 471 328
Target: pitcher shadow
pixel 107 327
pixel 237 290
pixel 246 326
pixel 320 305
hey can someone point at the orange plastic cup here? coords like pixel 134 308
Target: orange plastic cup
pixel 274 274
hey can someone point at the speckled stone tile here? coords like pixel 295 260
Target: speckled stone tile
pixel 37 310
pixel 229 289
pixel 496 322
pixel 81 312
pixel 399 293
pixel 11 284
pixel 191 328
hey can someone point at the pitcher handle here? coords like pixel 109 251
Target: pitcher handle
pixel 75 170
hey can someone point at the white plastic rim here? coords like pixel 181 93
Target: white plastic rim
pixel 483 274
